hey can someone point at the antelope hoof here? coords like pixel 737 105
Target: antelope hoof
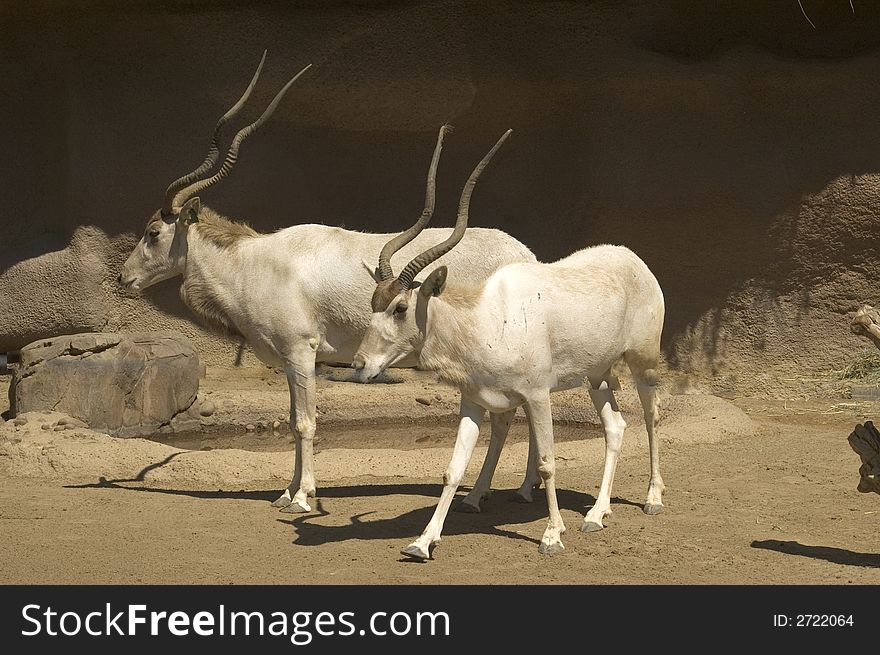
pixel 466 507
pixel 591 526
pixel 652 509
pixel 551 548
pixel 283 500
pixel 522 497
pixel 297 507
pixel 416 552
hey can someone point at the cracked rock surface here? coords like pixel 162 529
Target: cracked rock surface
pixel 125 384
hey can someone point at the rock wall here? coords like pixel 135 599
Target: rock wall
pixel 732 145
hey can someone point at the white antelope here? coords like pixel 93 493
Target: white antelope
pixel 528 330
pixel 297 296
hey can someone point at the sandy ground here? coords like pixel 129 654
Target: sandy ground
pixel 758 491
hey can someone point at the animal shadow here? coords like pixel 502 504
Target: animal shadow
pixel 827 553
pixel 497 512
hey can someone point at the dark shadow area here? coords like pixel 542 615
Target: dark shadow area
pixel 686 133
pixel 103 483
pixel 827 553
pixel 497 510
pixel 792 28
pixel 430 490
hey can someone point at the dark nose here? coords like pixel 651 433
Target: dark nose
pixel 358 362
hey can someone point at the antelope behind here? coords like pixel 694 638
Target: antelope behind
pixel 528 330
pixel 297 296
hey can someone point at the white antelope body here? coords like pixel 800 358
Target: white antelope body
pixel 530 329
pixel 297 296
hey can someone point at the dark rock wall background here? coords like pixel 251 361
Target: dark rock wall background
pixel 730 144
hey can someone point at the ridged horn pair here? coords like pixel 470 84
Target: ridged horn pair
pixel 409 272
pixel 187 186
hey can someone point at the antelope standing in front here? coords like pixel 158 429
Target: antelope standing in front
pixel 528 330
pixel 297 296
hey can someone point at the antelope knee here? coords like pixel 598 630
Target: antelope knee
pixel 650 378
pixel 546 467
pixel 451 477
pixel 303 427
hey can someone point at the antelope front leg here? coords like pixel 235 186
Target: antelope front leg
pixel 301 380
pixel 612 421
pixel 483 487
pixel 468 431
pixel 541 422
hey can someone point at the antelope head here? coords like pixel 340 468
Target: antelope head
pixel 397 327
pixel 161 252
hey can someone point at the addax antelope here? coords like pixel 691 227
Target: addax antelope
pixel 297 296
pixel 528 330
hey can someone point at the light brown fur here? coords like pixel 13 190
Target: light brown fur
pixel 217 229
pixel 222 232
pixel 385 292
pixel 462 296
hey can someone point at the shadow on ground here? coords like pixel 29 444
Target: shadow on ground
pixel 498 510
pixel 827 553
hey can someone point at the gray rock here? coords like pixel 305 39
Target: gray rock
pixel 124 384
pixel 187 421
pixel 207 408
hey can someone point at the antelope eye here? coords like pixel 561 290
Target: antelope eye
pixel 154 234
pixel 400 310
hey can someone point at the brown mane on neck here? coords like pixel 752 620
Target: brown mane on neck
pixel 462 295
pixel 221 231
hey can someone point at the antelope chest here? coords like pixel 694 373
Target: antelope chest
pixel 266 352
pixel 492 399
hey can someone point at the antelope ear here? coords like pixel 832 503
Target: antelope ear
pixel 374 272
pixel 189 213
pixel 434 283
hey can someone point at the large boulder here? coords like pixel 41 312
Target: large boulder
pixel 123 384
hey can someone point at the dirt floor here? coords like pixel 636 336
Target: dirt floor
pixel 758 491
